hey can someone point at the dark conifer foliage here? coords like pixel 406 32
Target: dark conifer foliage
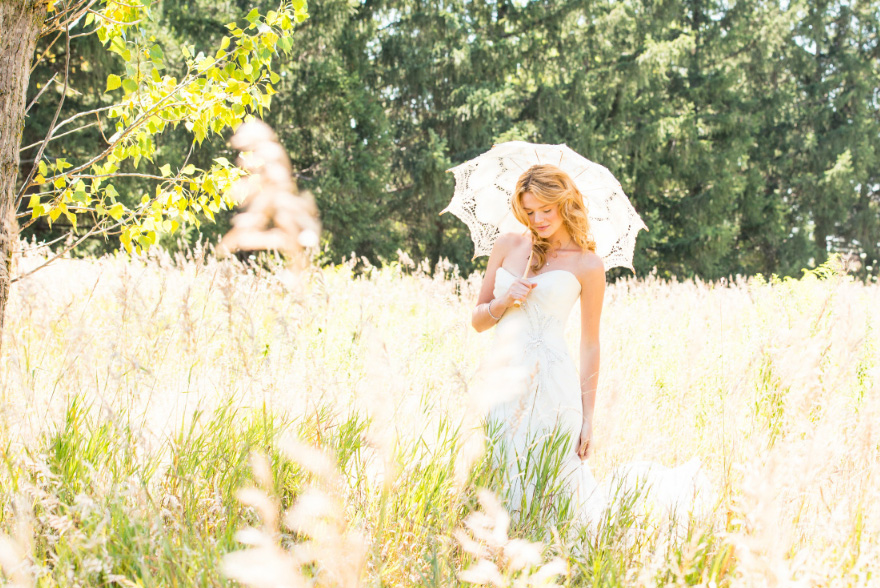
pixel 746 133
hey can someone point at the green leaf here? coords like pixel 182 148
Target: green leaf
pixel 129 85
pixel 253 16
pixel 165 170
pixel 80 194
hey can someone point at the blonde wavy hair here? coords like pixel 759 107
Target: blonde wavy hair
pixel 552 186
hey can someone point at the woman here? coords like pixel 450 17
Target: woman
pixel 531 284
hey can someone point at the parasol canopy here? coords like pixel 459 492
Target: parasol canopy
pixel 484 186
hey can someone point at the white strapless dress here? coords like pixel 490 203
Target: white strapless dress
pixel 543 406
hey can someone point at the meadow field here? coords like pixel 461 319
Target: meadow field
pixel 183 421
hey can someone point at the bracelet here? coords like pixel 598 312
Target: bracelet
pixel 489 309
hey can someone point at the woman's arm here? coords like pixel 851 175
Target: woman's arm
pixel 592 280
pixel 481 319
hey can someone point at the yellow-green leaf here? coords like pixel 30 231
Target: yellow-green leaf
pixel 116 211
pixel 165 170
pixel 113 82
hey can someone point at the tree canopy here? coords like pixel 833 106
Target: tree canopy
pixel 747 134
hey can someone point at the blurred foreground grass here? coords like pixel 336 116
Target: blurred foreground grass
pixel 157 415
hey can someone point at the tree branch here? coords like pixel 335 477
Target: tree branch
pixel 123 175
pixel 108 19
pixel 71 14
pixel 30 175
pixel 85 34
pixel 43 56
pixel 70 132
pixel 40 93
pixel 87 113
pixel 91 232
pixel 137 123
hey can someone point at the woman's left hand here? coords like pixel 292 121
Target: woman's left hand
pixel 585 443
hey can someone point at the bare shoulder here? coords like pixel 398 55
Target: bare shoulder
pixel 591 269
pixel 507 242
pixel 511 240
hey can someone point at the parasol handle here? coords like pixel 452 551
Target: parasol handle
pixel 526 273
pixel 528 263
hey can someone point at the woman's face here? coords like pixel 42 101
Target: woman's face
pixel 543 217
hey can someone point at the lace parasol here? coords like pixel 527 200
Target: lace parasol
pixel 485 184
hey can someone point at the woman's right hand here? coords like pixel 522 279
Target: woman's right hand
pixel 518 292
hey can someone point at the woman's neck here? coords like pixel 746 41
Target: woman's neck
pixel 560 239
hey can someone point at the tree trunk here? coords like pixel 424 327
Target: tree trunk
pixel 20 24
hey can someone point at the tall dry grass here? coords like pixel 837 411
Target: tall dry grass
pixel 159 414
